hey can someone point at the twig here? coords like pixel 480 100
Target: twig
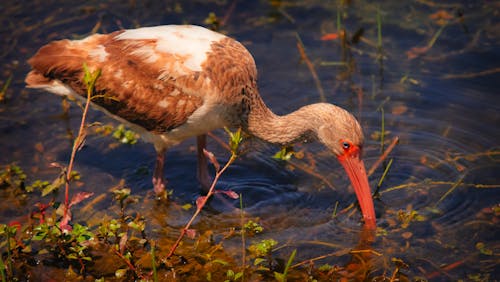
pixel 379 29
pixel 359 93
pixel 470 46
pixel 334 254
pixel 436 36
pixel 286 15
pixel 200 206
pixel 234 141
pixel 128 263
pixel 372 169
pixel 228 13
pixel 469 157
pixel 444 269
pixel 453 187
pixel 471 75
pixel 437 183
pixel 303 55
pixel 369 251
pixel 96 27
pixel 382 130
pixel 90 80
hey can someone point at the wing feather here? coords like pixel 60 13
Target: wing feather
pixel 138 84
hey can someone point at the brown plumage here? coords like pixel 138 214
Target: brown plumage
pixel 170 83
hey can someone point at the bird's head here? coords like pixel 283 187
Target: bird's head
pixel 340 132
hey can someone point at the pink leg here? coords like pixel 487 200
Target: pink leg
pixel 158 178
pixel 202 168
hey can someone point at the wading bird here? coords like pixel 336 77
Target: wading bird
pixel 173 82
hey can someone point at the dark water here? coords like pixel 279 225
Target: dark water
pixel 443 105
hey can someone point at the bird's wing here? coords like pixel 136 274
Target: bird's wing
pixel 152 77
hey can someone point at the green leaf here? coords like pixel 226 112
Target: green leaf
pixel 125 136
pixel 263 247
pixel 481 247
pixel 120 273
pixel 139 226
pixel 223 262
pixel 238 275
pixel 325 268
pixel 258 261
pixel 71 256
pixel 5 87
pixel 27 249
pixel 235 139
pixel 121 194
pixel 284 154
pixel 279 276
pixel 90 78
pixel 253 227
pixel 289 263
pixel 2 265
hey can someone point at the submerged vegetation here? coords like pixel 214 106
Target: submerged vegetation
pixel 119 234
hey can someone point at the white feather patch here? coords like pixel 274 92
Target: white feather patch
pixel 99 53
pixel 190 41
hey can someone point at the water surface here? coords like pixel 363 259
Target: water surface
pixel 442 104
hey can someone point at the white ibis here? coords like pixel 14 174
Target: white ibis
pixel 173 82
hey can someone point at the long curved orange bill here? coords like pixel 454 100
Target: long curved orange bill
pixel 355 169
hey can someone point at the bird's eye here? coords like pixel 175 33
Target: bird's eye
pixel 346 145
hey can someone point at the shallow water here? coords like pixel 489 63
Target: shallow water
pixel 442 105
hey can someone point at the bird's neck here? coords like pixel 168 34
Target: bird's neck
pixel 287 129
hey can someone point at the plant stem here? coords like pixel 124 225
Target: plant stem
pixel 153 261
pixel 382 130
pixel 383 156
pixel 435 37
pixel 2 270
pixel 9 258
pixel 453 187
pixel 383 176
pixel 334 213
pixel 5 87
pixel 289 263
pixel 201 204
pixel 303 55
pixel 90 79
pixel 379 29
pixel 339 16
pixel 243 247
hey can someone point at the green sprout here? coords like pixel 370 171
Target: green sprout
pixel 253 228
pixel 12 176
pixel 284 154
pixel 4 88
pixel 263 248
pixel 407 217
pixel 125 136
pixel 281 277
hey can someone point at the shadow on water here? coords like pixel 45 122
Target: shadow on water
pixel 432 80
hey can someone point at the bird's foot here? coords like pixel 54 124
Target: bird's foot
pixel 159 185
